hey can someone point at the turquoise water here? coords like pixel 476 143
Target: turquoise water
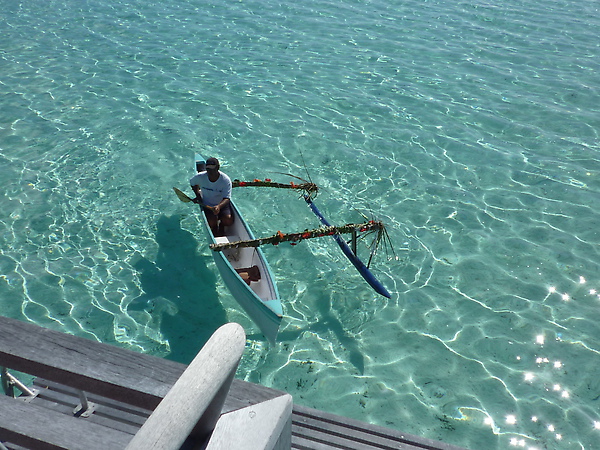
pixel 470 129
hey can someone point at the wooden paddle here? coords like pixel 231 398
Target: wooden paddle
pixel 183 197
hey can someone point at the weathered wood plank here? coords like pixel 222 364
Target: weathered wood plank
pixel 34 427
pixel 314 429
pixel 193 405
pixel 241 394
pixel 50 388
pixel 110 371
pixel 110 413
pixel 106 370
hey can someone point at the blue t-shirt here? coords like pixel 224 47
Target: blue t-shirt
pixel 212 193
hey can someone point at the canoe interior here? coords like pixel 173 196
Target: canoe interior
pixel 245 257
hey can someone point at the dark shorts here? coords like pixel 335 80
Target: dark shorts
pixel 225 211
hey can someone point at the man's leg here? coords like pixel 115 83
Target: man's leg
pixel 224 221
pixel 213 222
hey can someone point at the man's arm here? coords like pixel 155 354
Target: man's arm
pixel 198 193
pixel 221 205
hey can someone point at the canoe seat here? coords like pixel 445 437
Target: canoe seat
pixel 233 254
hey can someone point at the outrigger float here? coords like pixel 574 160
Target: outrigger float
pixel 245 270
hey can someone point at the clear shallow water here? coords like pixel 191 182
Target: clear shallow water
pixel 471 130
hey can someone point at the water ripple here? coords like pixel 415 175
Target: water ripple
pixel 470 129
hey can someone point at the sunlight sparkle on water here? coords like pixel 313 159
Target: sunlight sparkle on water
pixel 529 376
pixel 517 442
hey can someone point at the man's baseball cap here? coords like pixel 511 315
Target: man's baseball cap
pixel 212 163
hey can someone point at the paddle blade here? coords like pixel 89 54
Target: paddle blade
pixel 184 198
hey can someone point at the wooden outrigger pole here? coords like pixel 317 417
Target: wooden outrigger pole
pixel 280 237
pixel 308 187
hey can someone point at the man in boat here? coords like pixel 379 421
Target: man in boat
pixel 213 191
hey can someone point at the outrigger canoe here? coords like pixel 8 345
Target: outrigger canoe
pixel 260 298
pixel 243 266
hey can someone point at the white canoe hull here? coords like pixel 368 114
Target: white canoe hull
pixel 260 299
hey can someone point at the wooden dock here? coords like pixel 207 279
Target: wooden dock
pixel 88 395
